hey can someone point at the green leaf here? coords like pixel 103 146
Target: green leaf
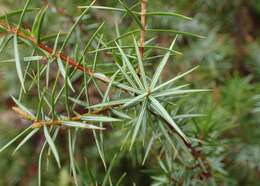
pixel 81 125
pixel 53 137
pixel 91 39
pixel 96 54
pixel 168 137
pixel 89 173
pixel 167 14
pixel 99 119
pixel 175 32
pixel 64 74
pixel 100 149
pixel 165 115
pixel 34 131
pixel 130 67
pixel 138 13
pixel 23 12
pixel 52 145
pixel 33 58
pixel 40 164
pixel 185 116
pixel 14 139
pixel 110 103
pixel 56 44
pixel 18 62
pixel 130 47
pixel 173 89
pixel 140 64
pixel 75 24
pixel 178 92
pixel 72 160
pixel 40 105
pixel 4 41
pixel 17 12
pixel 161 66
pixel 79 102
pixel 104 8
pixel 119 182
pixel 130 12
pixel 174 79
pixel 112 162
pixel 53 36
pixel 163 167
pixel 106 79
pixel 139 122
pixel 130 33
pixel 120 114
pixel 152 30
pixel 127 77
pixel 148 149
pixel 109 87
pixel 134 100
pixel 36 29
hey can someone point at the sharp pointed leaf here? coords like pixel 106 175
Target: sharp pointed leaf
pixel 165 115
pixel 140 64
pixel 135 100
pixel 36 29
pixel 14 139
pixel 18 62
pixel 64 74
pixel 138 123
pixel 81 125
pixel 23 12
pixel 130 12
pixel 178 92
pixel 161 66
pixel 99 119
pixel 174 79
pixel 52 145
pixel 130 67
pixel 112 162
pixel 34 131
pixel 75 24
pixel 110 103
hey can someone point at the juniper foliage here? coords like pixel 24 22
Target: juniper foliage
pixel 100 105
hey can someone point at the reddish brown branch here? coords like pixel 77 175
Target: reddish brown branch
pixel 143 22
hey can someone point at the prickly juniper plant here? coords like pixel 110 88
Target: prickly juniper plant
pixel 134 109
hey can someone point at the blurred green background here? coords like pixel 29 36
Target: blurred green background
pixel 229 59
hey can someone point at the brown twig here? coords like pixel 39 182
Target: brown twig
pixel 143 22
pixel 53 122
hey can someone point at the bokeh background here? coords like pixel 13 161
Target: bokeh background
pixel 229 59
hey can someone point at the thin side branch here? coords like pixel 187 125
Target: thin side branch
pixel 51 122
pixel 143 22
